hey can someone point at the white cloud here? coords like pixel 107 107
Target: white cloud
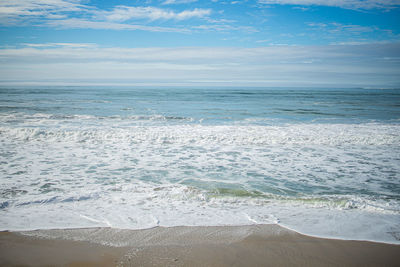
pixel 334 65
pixel 337 32
pixel 12 11
pixel 348 4
pixel 124 13
pixel 75 14
pixel 75 23
pixel 27 7
pixel 335 27
pixel 52 45
pixel 173 2
pixel 301 8
pixel 224 28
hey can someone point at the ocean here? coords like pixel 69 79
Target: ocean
pixel 323 162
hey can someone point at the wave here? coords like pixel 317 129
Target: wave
pixel 145 205
pixel 336 180
pixel 300 134
pixel 175 194
pixel 40 117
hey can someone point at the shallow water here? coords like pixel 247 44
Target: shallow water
pixel 324 162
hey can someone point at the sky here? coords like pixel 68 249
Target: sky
pixel 318 43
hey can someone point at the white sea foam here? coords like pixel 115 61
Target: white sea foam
pixel 141 207
pixel 302 134
pixel 334 180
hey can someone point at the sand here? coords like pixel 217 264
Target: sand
pixel 256 245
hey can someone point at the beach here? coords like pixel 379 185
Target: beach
pixel 200 133
pixel 256 245
pixel 199 177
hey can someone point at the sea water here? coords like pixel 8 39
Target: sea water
pixel 324 162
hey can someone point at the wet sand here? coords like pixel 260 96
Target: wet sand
pixel 256 245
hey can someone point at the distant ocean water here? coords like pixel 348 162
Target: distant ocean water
pixel 324 162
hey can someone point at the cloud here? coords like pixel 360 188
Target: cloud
pixel 335 27
pixel 225 28
pixel 52 45
pixel 338 33
pixel 12 12
pixel 332 65
pixel 29 7
pixel 74 14
pixel 124 13
pixel 75 23
pixel 347 4
pixel 173 2
pixel 302 8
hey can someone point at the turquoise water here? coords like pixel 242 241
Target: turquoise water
pixel 211 106
pixel 135 158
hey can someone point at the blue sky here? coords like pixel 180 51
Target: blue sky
pixel 185 42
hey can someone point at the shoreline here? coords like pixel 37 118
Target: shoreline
pixel 251 245
pixel 31 232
